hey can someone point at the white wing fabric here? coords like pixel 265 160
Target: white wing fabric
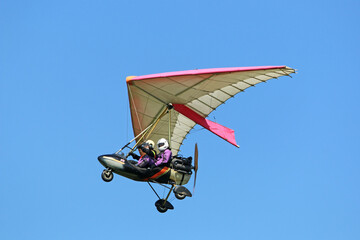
pixel 202 91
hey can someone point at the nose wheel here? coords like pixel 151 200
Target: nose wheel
pixel 107 175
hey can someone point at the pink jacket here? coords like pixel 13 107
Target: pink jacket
pixel 163 157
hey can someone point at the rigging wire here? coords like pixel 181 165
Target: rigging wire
pixel 132 99
pixel 127 124
pixel 170 128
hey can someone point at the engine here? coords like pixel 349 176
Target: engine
pixel 181 169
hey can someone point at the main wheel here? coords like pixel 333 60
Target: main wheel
pixel 107 175
pixel 162 205
pixel 161 209
pixel 180 196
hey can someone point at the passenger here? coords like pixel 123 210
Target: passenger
pixel 147 155
pixel 165 155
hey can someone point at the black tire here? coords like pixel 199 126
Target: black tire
pixel 161 209
pixel 180 196
pixel 107 176
pixel 162 205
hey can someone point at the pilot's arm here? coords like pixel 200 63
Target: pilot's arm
pixel 149 152
pixel 134 155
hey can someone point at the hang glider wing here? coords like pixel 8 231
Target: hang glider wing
pixel 194 95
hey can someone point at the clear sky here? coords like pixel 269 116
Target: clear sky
pixel 63 102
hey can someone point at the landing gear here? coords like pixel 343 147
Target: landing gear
pixel 181 192
pixel 180 196
pixel 107 175
pixel 162 205
pixel 161 209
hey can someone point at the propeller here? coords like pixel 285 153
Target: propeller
pixel 196 156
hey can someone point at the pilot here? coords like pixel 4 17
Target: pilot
pixel 165 155
pixel 147 154
pixel 151 145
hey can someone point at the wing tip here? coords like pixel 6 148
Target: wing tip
pixel 129 78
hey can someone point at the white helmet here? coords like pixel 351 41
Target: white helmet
pixel 151 143
pixel 162 144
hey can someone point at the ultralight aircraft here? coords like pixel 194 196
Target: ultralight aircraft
pixel 169 105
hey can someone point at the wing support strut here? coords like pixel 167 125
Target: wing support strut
pixel 148 130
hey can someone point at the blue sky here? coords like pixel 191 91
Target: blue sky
pixel 63 102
